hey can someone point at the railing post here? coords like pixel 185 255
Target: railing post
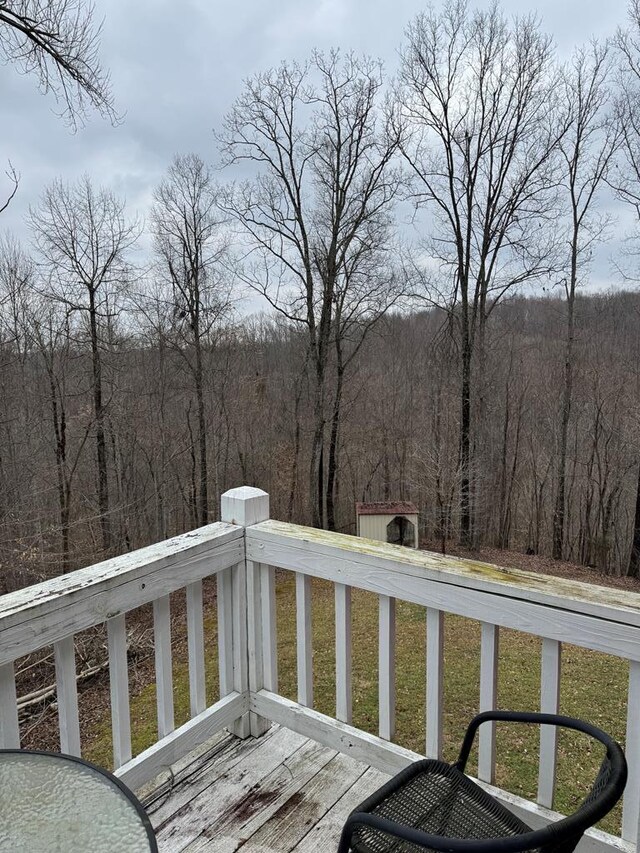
pixel 9 726
pixel 246 506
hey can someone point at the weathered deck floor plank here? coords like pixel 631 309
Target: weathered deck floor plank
pixel 277 794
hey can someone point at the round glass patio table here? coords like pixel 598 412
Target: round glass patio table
pixel 53 803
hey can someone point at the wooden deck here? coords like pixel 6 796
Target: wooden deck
pixel 278 793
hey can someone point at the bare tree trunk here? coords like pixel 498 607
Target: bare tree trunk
pixel 293 482
pixel 478 427
pixel 560 501
pixel 64 489
pixel 503 537
pixel 586 536
pixel 633 568
pixel 332 467
pixel 160 481
pixel 505 532
pixel 466 513
pixel 316 470
pixel 294 468
pixel 386 468
pixel 320 341
pixel 203 495
pixel 193 476
pixel 98 411
pixel 123 499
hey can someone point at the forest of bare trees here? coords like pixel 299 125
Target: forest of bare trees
pixel 422 243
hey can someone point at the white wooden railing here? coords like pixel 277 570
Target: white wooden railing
pixel 243 552
pixel 51 613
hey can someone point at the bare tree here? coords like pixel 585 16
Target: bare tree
pixel 83 237
pixel 58 41
pixel 513 412
pixel 633 566
pixel 477 108
pixel 319 206
pixel 626 179
pixel 50 323
pixel 364 294
pixel 193 251
pixel 16 290
pixel 587 150
pixel 627 183
pixel 153 326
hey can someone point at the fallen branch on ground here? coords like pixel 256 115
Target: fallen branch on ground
pixel 37 697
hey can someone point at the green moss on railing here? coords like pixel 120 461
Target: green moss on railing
pixel 593 686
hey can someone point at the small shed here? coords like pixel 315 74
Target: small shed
pixel 395 522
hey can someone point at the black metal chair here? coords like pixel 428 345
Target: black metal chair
pixel 433 806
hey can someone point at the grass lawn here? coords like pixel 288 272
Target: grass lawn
pixel 593 686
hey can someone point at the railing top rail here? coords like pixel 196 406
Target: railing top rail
pixel 359 554
pixel 38 615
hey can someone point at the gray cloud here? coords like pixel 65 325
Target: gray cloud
pixel 176 68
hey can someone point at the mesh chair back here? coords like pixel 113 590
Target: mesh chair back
pixel 601 782
pixel 443 825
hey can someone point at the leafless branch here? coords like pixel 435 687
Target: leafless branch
pixel 58 41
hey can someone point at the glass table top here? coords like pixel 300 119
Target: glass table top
pixel 57 804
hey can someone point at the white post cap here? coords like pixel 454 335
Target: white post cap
pixel 244 506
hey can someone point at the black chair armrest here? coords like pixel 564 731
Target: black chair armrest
pixel 613 750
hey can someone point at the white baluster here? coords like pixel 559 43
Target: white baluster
pixel 304 648
pixel 119 687
pixel 489 645
pixel 67 694
pixel 435 647
pixel 343 652
pixel 549 704
pixel 195 642
pixel 9 727
pixel 631 802
pixel 164 670
pixel 387 666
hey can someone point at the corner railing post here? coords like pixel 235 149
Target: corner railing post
pixel 246 506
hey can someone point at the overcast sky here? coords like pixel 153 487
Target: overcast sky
pixel 177 67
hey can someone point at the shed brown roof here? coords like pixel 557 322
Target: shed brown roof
pixel 386 508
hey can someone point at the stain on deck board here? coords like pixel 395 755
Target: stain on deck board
pixel 251 807
pixel 253 802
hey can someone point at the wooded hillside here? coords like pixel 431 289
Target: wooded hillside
pixel 398 436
